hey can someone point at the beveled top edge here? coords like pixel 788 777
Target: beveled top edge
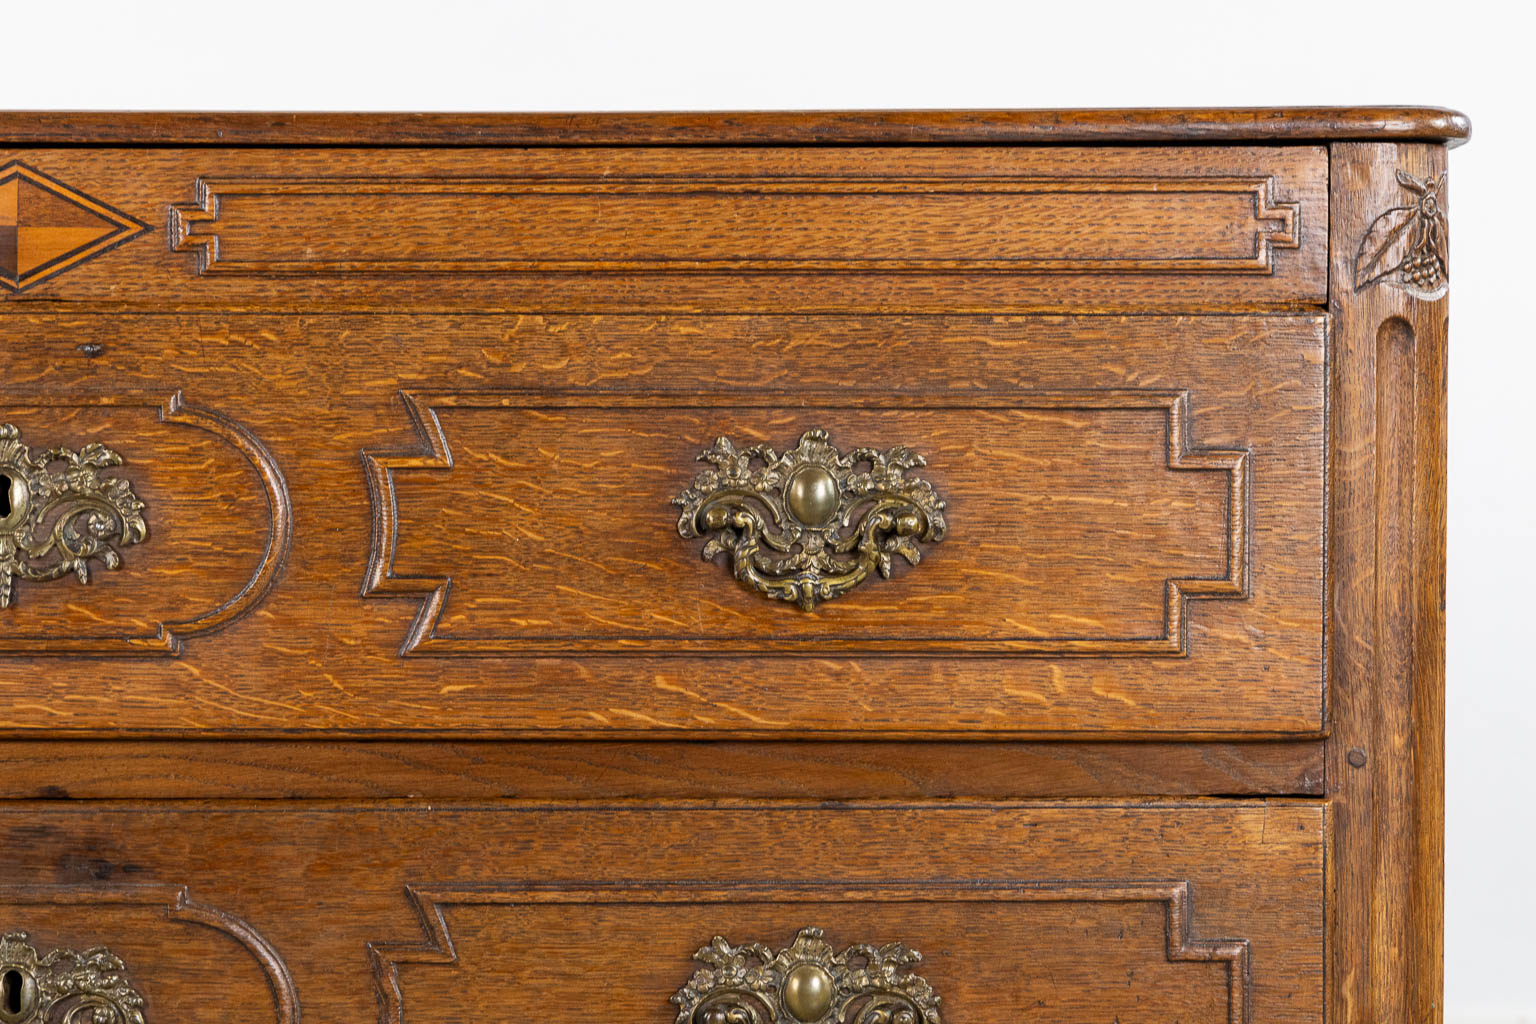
pixel 1191 125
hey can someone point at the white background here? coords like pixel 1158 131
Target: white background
pixel 456 55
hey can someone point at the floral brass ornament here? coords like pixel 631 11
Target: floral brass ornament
pixel 1406 245
pixel 58 512
pixel 813 523
pixel 807 983
pixel 64 987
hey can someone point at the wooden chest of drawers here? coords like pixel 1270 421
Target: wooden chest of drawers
pixel 675 567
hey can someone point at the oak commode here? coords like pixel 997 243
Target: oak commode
pixel 1067 641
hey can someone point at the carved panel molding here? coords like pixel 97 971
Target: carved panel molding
pixel 166 638
pixel 713 224
pixel 169 902
pixel 435 454
pixel 1180 945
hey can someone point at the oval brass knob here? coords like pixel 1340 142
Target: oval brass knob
pixel 59 512
pixel 808 992
pixel 809 982
pixel 64 985
pixel 812 495
pixel 813 523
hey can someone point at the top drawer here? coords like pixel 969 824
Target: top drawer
pixel 771 229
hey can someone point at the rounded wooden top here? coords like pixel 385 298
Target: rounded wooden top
pixel 886 127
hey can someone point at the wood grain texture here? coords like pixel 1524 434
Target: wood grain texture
pixel 1079 912
pixel 802 230
pixel 609 770
pixel 1387 494
pixel 1064 522
pixel 1224 125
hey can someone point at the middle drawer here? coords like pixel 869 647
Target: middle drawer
pixel 491 524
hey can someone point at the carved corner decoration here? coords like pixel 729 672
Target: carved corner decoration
pixel 719 237
pixel 59 512
pixel 1178 940
pixel 47 227
pixel 66 987
pixel 165 638
pixel 805 983
pixel 435 453
pixel 1406 245
pixel 813 523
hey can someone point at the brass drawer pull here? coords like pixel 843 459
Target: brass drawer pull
pixel 64 987
pixel 806 983
pixel 58 513
pixel 813 523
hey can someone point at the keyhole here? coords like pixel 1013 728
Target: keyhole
pixel 10 982
pixel 5 510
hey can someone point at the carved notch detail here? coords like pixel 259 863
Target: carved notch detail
pixel 436 453
pixel 437 947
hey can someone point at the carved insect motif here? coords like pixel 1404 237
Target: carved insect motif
pixel 1406 245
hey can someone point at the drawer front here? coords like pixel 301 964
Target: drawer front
pixel 935 229
pixel 469 525
pixel 1073 913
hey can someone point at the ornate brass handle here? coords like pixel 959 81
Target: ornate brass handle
pixel 64 987
pixel 813 523
pixel 806 983
pixel 58 513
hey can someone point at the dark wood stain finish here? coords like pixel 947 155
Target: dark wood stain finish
pixel 414 702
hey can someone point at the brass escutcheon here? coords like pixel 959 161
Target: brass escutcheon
pixel 59 513
pixel 806 983
pixel 64 987
pixel 813 523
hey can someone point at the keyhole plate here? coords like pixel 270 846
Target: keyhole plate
pixel 18 995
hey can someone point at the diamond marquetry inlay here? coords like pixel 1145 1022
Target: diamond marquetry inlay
pixel 46 227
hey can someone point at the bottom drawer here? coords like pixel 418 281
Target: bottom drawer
pixel 1062 912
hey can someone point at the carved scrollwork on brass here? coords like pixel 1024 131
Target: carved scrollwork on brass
pixel 813 523
pixel 58 513
pixel 1406 245
pixel 807 983
pixel 64 987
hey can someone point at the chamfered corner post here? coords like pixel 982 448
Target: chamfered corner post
pixel 1388 287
